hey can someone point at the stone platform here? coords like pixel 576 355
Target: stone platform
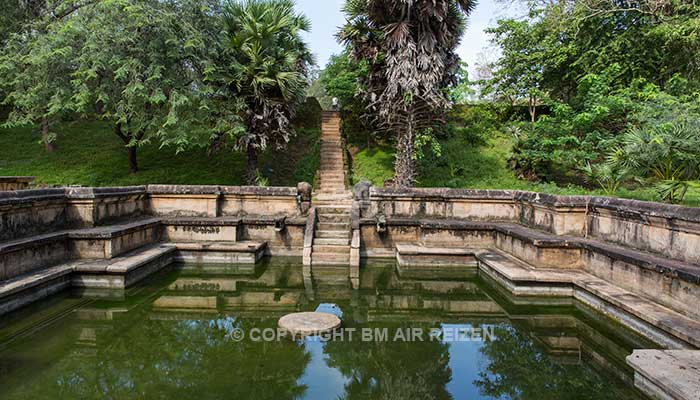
pixel 299 325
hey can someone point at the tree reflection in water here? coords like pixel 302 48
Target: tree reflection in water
pixel 516 368
pixel 392 369
pixel 188 359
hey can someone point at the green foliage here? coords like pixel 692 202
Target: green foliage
pixel 463 91
pixel 609 177
pixel 556 146
pixel 341 79
pixel 664 153
pixel 475 123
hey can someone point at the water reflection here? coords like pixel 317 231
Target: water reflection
pixel 172 338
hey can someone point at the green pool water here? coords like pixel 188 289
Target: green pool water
pixel 199 332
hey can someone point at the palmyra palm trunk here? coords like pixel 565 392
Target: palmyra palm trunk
pixel 251 173
pixel 404 166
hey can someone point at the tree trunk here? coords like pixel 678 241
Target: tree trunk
pixel 49 144
pixel 404 174
pixel 131 150
pixel 533 108
pixel 251 173
pixel 133 161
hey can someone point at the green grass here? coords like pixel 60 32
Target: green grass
pixel 464 165
pixel 89 154
pixel 375 165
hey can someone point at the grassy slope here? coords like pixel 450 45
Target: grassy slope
pixel 90 154
pixel 477 167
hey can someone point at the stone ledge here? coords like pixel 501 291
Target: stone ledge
pixel 265 220
pixel 414 250
pixel 234 247
pixel 30 280
pixel 671 374
pixel 112 231
pixel 32 241
pixel 124 263
pixel 203 221
pixel 523 280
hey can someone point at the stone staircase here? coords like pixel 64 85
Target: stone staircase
pixel 332 176
pixel 331 245
pixel 332 237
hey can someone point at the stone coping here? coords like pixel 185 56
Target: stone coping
pixel 32 195
pixel 102 192
pixel 640 210
pixel 220 190
pixel 440 194
pixel 635 209
pixel 684 271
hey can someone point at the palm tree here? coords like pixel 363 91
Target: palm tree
pixel 267 63
pixel 410 46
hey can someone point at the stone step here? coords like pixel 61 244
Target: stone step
pixel 332 235
pixel 331 242
pixel 332 185
pixel 334 210
pixel 36 285
pixel 336 249
pixel 125 270
pixel 334 204
pixel 330 258
pixel 334 226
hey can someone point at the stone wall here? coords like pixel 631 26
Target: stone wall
pixel 31 212
pixel 671 231
pixel 219 201
pixel 665 230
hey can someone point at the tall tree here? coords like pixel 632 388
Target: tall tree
pixel 139 64
pixel 135 63
pixel 34 73
pixel 265 66
pixel 410 45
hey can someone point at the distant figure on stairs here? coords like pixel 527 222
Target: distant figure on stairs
pixel 336 104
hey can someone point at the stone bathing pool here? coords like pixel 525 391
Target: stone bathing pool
pixel 208 332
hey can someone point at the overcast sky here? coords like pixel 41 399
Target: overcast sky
pixel 326 17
